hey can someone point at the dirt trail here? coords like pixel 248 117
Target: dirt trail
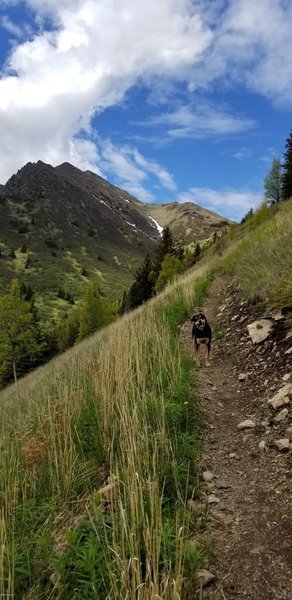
pixel 249 519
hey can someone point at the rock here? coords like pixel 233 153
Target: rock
pixel 288 335
pixel 282 396
pixel 286 376
pixel 288 432
pixel 234 455
pixel 208 476
pixel 222 485
pixel 247 424
pixel 242 376
pixel 197 507
pixel 225 519
pixel 107 493
pixel 283 445
pixel 213 499
pixel 204 577
pixel 281 415
pixel 289 351
pixel 262 445
pixel 277 314
pixel 260 330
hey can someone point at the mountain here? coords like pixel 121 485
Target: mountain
pixel 60 226
pixel 188 221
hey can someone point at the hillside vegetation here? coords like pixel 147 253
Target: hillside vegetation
pixel 100 447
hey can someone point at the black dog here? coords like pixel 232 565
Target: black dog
pixel 202 334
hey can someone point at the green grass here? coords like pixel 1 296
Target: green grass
pixel 120 404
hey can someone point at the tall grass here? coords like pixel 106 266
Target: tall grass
pixel 262 261
pixel 117 410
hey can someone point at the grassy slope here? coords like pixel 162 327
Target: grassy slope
pixel 119 404
pixel 187 221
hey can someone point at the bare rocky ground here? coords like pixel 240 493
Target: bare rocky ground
pixel 246 479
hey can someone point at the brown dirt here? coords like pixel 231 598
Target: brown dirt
pixel 251 525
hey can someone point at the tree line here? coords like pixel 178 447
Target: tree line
pixel 26 343
pixel 170 260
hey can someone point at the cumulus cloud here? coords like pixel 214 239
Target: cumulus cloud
pixel 94 52
pixel 225 202
pixel 53 84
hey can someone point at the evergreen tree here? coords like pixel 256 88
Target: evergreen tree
pixel 97 311
pixel 143 287
pixel 171 266
pixel 286 191
pixel 165 246
pixel 68 330
pixel 20 339
pixel 272 183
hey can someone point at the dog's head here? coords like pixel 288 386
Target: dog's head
pixel 199 321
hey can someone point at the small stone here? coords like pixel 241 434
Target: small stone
pixel 242 376
pixel 222 485
pixel 247 424
pixel 213 499
pixel 289 351
pixel 225 519
pixel 288 335
pixel 283 445
pixel 196 507
pixel 204 577
pixel 262 445
pixel 208 476
pixel 281 415
pixel 282 396
pixel 288 432
pixel 107 493
pixel 286 376
pixel 234 455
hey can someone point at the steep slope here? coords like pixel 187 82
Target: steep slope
pixel 61 225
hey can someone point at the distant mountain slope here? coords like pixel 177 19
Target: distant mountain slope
pixel 60 226
pixel 188 221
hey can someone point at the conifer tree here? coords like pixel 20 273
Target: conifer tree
pixel 20 343
pixel 272 183
pixel 143 287
pixel 286 191
pixel 97 311
pixel 171 266
pixel 165 246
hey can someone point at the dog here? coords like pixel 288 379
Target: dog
pixel 202 334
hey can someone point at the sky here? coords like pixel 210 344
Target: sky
pixel 172 100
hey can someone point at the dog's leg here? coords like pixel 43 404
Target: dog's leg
pixel 208 347
pixel 196 348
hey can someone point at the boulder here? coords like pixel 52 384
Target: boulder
pixel 283 445
pixel 260 330
pixel 247 424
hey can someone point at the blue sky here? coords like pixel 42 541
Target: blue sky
pixel 176 100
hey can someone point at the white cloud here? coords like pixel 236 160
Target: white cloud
pixel 204 120
pixel 7 24
pixel 133 171
pixel 97 50
pixel 53 84
pixel 230 203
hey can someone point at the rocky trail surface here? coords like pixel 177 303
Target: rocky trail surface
pixel 247 443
